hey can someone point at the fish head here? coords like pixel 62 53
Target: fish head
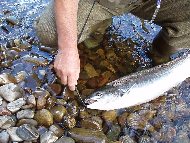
pixel 102 97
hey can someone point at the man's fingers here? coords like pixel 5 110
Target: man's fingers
pixel 71 83
pixel 64 80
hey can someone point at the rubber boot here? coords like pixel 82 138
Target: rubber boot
pixel 161 51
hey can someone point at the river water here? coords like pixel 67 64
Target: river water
pixel 127 28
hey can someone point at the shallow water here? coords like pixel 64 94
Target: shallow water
pixel 135 35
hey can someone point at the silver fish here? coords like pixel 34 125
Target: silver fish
pixel 140 87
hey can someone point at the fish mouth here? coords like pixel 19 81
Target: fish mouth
pixel 89 101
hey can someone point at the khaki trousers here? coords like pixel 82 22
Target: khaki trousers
pixel 173 17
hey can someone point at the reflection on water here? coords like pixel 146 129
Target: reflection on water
pixel 121 52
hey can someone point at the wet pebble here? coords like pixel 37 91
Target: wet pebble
pixel 64 139
pixel 113 132
pixel 122 119
pixel 57 130
pixel 25 45
pixel 48 137
pixel 25 114
pixel 73 108
pixel 50 102
pixel 20 76
pixel 58 112
pixel 1 100
pixel 144 139
pixel 14 106
pixel 44 117
pixel 6 64
pixel 4 111
pixel 41 92
pixel 11 92
pixel 94 123
pixel 109 115
pixel 61 102
pixel 13 136
pixel 27 132
pixel 6 78
pixel 31 100
pixel 7 121
pixel 41 102
pixel 90 70
pixel 83 113
pixel 27 121
pixel 40 61
pixel 126 139
pixel 12 54
pixel 181 137
pixel 69 121
pixel 87 135
pixel 13 20
pixel 54 89
pixel 4 136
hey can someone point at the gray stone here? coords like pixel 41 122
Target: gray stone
pixel 13 136
pixel 64 139
pixel 11 92
pixel 25 114
pixel 14 106
pixel 6 78
pixel 181 137
pixel 48 137
pixel 27 132
pixel 4 136
pixel 7 121
pixel 126 139
pixel 13 20
pixel 113 132
pixel 1 100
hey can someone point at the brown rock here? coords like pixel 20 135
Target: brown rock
pixel 58 112
pixel 122 119
pixel 87 135
pixel 90 70
pixel 109 115
pixel 93 82
pixel 69 121
pixel 41 102
pixel 50 102
pixel 44 117
pixel 54 89
pixel 4 111
pixel 6 78
pixel 57 130
pixel 73 108
pixel 94 123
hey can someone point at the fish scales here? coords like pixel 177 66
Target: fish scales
pixel 140 87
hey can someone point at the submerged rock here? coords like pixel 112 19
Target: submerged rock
pixel 11 92
pixel 48 137
pixel 6 78
pixel 87 135
pixel 14 106
pixel 4 136
pixel 44 117
pixel 40 61
pixel 13 20
pixel 13 136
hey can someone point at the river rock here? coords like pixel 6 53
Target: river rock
pixel 44 117
pixel 4 136
pixel 6 64
pixel 6 78
pixel 109 115
pixel 12 54
pixel 1 100
pixel 27 132
pixel 144 139
pixel 40 61
pixel 58 112
pixel 126 139
pixel 20 76
pixel 48 137
pixel 13 20
pixel 27 121
pixel 41 92
pixel 41 102
pixel 90 70
pixel 94 123
pixel 25 114
pixel 69 121
pixel 87 135
pixel 61 102
pixel 57 130
pixel 73 108
pixel 31 100
pixel 181 137
pixel 50 102
pixel 17 41
pixel 64 139
pixel 13 136
pixel 7 121
pixel 54 89
pixel 11 92
pixel 25 45
pixel 113 132
pixel 122 119
pixel 4 111
pixel 14 106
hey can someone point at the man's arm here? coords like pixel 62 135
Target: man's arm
pixel 67 62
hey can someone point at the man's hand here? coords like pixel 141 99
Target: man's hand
pixel 67 67
pixel 67 63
